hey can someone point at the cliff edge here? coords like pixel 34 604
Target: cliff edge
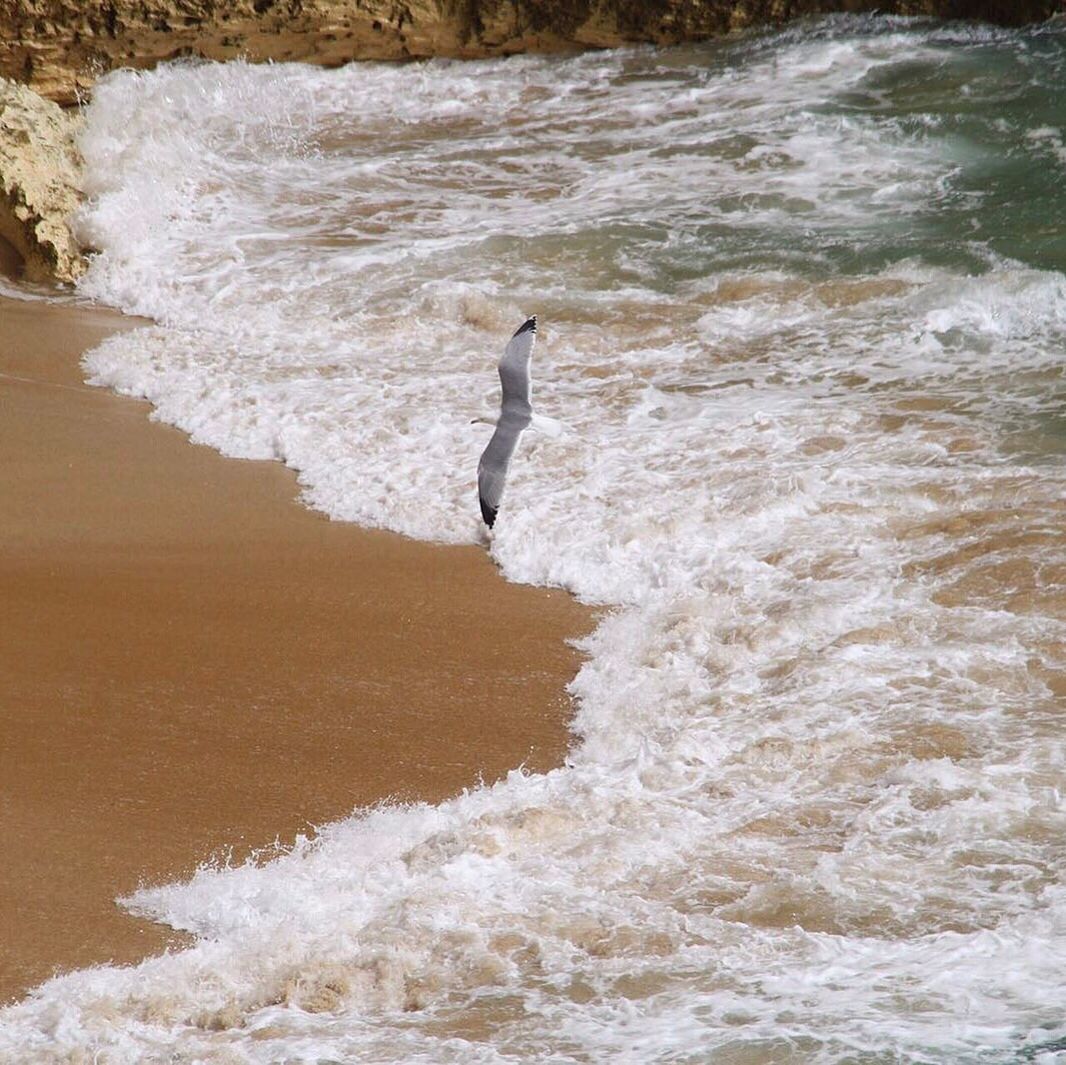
pixel 39 183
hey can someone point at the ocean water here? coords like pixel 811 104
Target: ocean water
pixel 803 321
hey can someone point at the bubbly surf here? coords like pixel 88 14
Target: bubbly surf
pixel 803 317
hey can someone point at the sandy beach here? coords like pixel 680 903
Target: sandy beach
pixel 192 662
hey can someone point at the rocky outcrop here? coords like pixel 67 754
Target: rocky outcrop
pixel 39 189
pixel 59 47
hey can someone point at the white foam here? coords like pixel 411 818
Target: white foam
pixel 810 808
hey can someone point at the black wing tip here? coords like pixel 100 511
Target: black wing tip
pixel 487 512
pixel 528 326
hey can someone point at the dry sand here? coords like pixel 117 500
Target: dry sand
pixel 191 661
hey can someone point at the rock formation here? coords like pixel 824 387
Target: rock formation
pixel 39 192
pixel 59 47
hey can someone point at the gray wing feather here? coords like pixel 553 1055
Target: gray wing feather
pixel 514 368
pixel 516 412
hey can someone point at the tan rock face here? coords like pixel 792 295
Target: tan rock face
pixel 39 186
pixel 59 47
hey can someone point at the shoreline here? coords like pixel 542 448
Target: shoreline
pixel 196 665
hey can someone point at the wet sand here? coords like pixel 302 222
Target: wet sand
pixel 191 661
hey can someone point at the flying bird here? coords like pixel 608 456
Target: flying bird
pixel 516 412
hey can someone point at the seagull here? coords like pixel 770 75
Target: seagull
pixel 516 413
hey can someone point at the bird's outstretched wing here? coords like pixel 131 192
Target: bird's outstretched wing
pixel 516 411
